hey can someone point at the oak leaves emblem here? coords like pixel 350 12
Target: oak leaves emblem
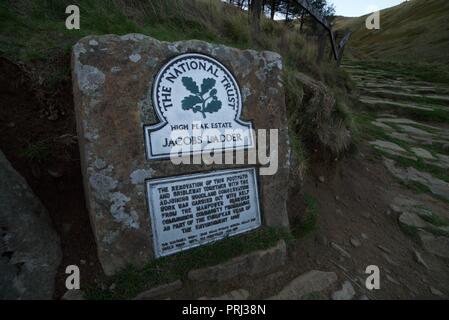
pixel 203 99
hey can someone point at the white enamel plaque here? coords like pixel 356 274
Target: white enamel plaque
pixel 199 104
pixel 192 210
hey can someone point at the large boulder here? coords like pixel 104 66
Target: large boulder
pixel 113 78
pixel 30 248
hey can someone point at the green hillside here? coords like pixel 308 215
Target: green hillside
pixel 416 30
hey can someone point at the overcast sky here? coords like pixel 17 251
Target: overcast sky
pixel 356 8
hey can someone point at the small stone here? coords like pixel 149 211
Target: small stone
pixel 340 266
pixel 83 262
pixel 73 295
pixel 337 198
pixel 66 227
pixel 160 290
pixel 135 57
pixel 68 139
pixel 347 292
pixel 389 259
pixel 436 292
pixel 321 239
pixel 366 214
pixel 322 179
pixel 355 242
pixel 340 250
pixel 388 145
pixel 438 246
pixel 339 212
pixel 420 260
pixel 384 249
pixel 422 153
pixel 411 219
pixel 364 236
pixel 54 173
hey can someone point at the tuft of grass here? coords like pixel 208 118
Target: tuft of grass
pixel 307 223
pixel 438 232
pixel 410 231
pixel 435 219
pixel 300 153
pixel 37 151
pixel 132 280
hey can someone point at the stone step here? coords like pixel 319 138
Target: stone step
pixel 371 102
pixel 399 86
pixel 406 121
pixel 440 99
pixel 392 149
pixel 436 186
pixel 442 134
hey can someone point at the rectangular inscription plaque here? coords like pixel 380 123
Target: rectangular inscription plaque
pixel 192 210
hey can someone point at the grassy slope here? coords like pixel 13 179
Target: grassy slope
pixel 417 30
pixel 33 32
pixel 35 29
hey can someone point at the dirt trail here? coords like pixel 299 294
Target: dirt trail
pixel 394 189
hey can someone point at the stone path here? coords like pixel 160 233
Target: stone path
pixel 408 130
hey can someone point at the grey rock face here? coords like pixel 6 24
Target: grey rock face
pixel 436 186
pixel 30 248
pixel 340 250
pixel 239 294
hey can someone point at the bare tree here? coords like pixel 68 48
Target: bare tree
pixel 274 4
pixel 256 12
